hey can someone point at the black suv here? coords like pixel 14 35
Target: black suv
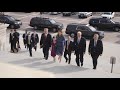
pixel 104 24
pixel 87 31
pixel 68 13
pixel 13 23
pixel 39 22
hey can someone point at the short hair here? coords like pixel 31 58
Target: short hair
pixel 45 28
pixel 79 32
pixel 96 33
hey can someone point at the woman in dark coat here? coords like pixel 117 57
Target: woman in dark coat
pixel 60 45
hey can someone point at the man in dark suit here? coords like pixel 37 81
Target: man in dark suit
pixel 29 43
pixel 35 39
pixel 11 41
pixel 95 49
pixel 45 43
pixel 15 40
pixel 25 38
pixel 80 48
pixel 68 49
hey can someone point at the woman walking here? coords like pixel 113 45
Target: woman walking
pixel 60 45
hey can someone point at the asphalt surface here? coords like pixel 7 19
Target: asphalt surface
pixel 113 37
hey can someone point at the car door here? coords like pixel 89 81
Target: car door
pixel 103 24
pixel 106 24
pixel 48 24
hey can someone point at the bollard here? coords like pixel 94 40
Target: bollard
pixel 112 61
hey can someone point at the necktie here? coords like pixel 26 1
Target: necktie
pixel 78 40
pixel 95 43
pixel 68 45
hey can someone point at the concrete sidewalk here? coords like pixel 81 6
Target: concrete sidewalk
pixel 14 71
pixel 61 70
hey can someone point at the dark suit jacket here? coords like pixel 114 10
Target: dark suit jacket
pixel 36 40
pixel 45 42
pixel 95 50
pixel 81 47
pixel 31 41
pixel 24 36
pixel 70 47
pixel 16 36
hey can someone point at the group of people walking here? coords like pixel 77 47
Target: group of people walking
pixel 59 46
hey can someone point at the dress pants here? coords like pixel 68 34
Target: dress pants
pixel 79 58
pixel 94 58
pixel 30 49
pixel 46 52
pixel 68 59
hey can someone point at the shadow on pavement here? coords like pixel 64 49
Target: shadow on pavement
pixel 118 42
pixel 118 36
pixel 25 61
pixel 38 64
pixel 22 51
pixel 64 69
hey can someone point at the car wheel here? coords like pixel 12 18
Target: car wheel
pixel 35 27
pixel 72 35
pixel 54 30
pixel 117 29
pixel 12 26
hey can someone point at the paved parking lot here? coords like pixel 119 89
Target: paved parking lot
pixel 62 69
pixel 113 37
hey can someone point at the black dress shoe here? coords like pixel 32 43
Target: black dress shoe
pixel 46 58
pixel 81 64
pixel 94 68
pixel 78 65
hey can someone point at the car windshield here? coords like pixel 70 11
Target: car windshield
pixel 108 13
pixel 92 28
pixel 52 21
pixel 12 19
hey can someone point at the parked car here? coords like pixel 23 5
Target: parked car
pixel 87 30
pixel 13 23
pixel 84 14
pixel 105 24
pixel 39 22
pixel 68 13
pixel 55 13
pixel 109 15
